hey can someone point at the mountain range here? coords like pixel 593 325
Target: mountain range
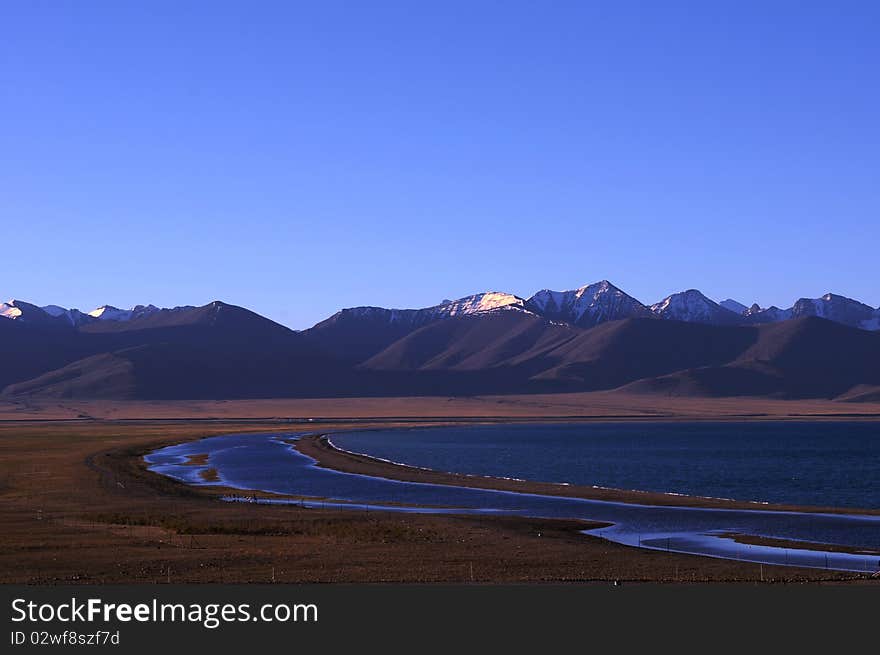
pixel 595 337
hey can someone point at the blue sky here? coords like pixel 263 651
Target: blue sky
pixel 301 157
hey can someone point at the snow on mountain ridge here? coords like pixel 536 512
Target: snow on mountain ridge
pixel 111 313
pixel 56 314
pixel 9 310
pixel 693 307
pixel 588 305
pixel 479 303
pixel 836 308
pixel 19 310
pixel 547 300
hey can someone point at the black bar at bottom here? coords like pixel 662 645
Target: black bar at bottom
pixel 288 618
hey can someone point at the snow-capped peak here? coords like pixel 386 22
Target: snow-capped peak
pixel 588 305
pixel 837 308
pixel 10 310
pixel 18 310
pixel 111 313
pixel 692 306
pixel 21 310
pixel 58 315
pixel 481 302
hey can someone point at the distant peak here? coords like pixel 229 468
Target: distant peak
pixel 594 287
pixel 688 295
pixel 9 310
pixel 588 305
pixel 15 302
pixel 111 313
pixel 30 313
pixel 481 302
pixel 694 306
pixel 19 304
pixel 601 285
pixel 103 310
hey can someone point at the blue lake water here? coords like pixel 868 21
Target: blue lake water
pixel 268 462
pixel 833 464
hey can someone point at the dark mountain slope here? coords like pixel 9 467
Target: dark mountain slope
pixel 27 350
pixel 214 351
pixel 98 376
pixel 193 370
pixel 622 351
pixel 473 343
pixel 713 381
pixel 219 317
pixel 817 357
pixel 801 358
pixel 544 355
pixel 224 351
pixel 354 335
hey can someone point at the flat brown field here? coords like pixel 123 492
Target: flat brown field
pixel 76 504
pixel 600 404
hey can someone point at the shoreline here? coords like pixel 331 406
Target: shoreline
pixel 326 455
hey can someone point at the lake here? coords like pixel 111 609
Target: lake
pixel 270 462
pixel 829 464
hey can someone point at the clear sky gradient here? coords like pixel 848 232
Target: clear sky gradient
pixel 297 158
